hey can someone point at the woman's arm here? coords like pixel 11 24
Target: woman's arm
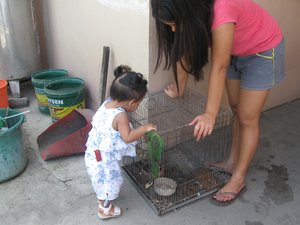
pixel 222 40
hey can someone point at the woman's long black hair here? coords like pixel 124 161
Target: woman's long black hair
pixel 192 37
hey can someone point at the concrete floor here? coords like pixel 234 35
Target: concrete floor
pixel 59 191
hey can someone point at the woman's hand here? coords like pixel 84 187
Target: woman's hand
pixel 204 125
pixel 182 78
pixel 171 90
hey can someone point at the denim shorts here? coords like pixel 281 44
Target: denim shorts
pixel 260 71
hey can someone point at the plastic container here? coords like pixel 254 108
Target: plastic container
pixel 3 94
pixel 13 157
pixel 65 95
pixel 164 186
pixel 39 80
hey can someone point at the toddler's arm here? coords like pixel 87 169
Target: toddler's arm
pixel 128 135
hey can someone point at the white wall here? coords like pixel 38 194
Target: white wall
pixel 77 30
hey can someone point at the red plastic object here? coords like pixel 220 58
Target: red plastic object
pixel 98 155
pixel 3 94
pixel 66 136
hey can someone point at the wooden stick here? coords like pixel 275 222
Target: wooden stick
pixel 103 77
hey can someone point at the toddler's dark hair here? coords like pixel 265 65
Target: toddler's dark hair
pixel 127 85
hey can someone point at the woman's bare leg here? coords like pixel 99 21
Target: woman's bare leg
pixel 246 137
pixel 233 91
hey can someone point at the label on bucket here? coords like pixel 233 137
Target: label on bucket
pixel 58 112
pixel 41 98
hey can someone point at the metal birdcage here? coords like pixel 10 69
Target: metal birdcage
pixel 184 172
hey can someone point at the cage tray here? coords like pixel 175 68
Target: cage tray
pixel 195 180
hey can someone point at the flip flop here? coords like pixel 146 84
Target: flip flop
pixel 106 212
pixel 234 195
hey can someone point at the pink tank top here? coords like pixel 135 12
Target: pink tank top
pixel 255 30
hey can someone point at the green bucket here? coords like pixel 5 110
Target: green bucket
pixel 39 80
pixel 13 157
pixel 65 95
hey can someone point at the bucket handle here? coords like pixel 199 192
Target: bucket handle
pixel 18 114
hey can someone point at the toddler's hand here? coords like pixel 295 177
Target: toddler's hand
pixel 150 127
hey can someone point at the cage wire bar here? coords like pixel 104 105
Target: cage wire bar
pixel 185 162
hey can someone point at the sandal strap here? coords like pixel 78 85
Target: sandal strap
pixel 117 210
pixel 233 194
pixel 106 210
pixel 228 193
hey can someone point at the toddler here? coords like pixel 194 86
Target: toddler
pixel 112 136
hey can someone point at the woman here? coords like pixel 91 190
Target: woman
pixel 247 56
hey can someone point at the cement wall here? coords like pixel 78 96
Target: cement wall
pixel 73 34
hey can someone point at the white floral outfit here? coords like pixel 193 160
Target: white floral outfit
pixel 106 175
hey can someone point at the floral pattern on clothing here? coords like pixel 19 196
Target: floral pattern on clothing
pixel 105 138
pixel 106 178
pixel 106 175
